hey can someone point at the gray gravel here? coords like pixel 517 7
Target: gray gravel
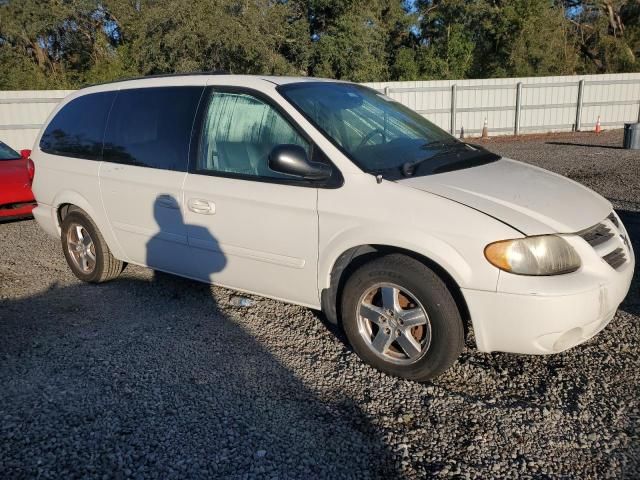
pixel 160 377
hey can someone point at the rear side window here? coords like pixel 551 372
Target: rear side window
pixel 151 127
pixel 77 130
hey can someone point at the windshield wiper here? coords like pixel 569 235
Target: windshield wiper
pixel 440 143
pixel 408 168
pixel 474 161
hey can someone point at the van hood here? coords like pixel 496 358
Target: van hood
pixel 530 199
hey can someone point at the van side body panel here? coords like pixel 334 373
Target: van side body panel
pixel 451 235
pixel 80 184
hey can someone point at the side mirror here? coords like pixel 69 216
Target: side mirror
pixel 292 160
pixel 25 154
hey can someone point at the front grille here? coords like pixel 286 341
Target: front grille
pixel 597 235
pixel 616 259
pixel 608 241
pixel 613 219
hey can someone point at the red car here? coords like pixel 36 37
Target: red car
pixel 16 175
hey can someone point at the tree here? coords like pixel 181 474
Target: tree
pixel 356 40
pixel 259 36
pixel 544 44
pixel 494 38
pixel 56 40
pixel 71 43
pixel 607 33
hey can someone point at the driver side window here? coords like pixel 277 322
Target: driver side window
pixel 239 132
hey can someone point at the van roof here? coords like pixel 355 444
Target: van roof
pixel 275 79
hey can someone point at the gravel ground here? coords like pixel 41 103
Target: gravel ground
pixel 155 376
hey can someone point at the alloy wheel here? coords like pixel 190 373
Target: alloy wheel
pixel 81 248
pixel 394 324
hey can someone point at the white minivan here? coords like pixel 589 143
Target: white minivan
pixel 333 196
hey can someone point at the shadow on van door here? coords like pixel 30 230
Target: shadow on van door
pixel 168 250
pixel 147 376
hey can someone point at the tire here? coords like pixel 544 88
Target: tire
pixel 104 266
pixel 424 320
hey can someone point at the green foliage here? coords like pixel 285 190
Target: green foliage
pixel 450 55
pixel 356 40
pixel 543 45
pixel 19 72
pixel 405 67
pixel 71 43
pixel 245 37
pixel 607 33
pixel 493 38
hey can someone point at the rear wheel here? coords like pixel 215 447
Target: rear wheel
pixel 401 318
pixel 86 251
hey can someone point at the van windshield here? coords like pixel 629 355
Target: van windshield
pixel 379 134
pixel 7 153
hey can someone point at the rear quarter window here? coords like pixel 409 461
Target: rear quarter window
pixel 151 127
pixel 78 128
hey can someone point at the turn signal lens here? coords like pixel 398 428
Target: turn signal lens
pixel 540 255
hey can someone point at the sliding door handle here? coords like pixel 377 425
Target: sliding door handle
pixel 202 207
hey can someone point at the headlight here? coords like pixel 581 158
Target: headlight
pixel 541 255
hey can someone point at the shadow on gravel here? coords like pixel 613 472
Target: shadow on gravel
pixel 631 221
pixel 151 379
pixel 572 144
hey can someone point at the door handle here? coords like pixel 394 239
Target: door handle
pixel 202 207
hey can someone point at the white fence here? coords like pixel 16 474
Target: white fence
pixel 510 105
pixel 523 105
pixel 22 113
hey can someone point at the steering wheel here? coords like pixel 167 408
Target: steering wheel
pixel 370 135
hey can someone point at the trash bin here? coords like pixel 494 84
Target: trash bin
pixel 632 136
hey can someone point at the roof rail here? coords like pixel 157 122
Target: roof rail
pixel 163 75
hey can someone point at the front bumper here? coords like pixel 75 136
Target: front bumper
pixel 540 315
pixel 538 324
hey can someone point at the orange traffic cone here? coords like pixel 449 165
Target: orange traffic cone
pixel 598 126
pixel 485 129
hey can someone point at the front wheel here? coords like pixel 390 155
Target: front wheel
pixel 400 317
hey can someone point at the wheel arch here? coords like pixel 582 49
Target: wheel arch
pixel 67 201
pixel 354 257
pixel 65 209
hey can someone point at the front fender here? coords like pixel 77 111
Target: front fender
pixel 436 250
pixel 451 235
